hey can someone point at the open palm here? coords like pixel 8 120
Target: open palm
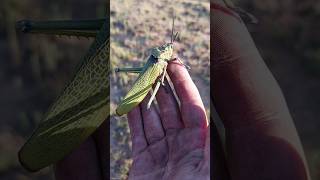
pixel 171 143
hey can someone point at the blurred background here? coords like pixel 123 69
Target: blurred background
pixel 287 37
pixel 137 26
pixel 33 70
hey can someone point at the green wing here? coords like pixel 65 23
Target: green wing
pixel 80 109
pixel 142 86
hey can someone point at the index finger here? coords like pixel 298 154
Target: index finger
pixel 258 116
pixel 192 109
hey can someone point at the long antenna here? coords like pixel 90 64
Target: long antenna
pixel 172 38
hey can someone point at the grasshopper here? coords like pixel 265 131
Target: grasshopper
pixel 84 103
pixel 154 71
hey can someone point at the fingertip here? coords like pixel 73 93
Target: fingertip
pixel 178 72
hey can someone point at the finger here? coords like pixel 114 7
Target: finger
pixel 81 164
pixel 192 108
pixel 169 109
pixel 139 142
pixel 258 115
pixel 241 77
pixel 152 123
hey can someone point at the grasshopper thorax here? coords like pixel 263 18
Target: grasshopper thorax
pixel 163 52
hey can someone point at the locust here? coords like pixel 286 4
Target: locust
pixel 153 72
pixel 84 103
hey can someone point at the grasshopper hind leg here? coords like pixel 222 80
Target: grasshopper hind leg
pixel 154 94
pixel 159 82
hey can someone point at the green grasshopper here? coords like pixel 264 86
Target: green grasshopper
pixel 82 106
pixel 153 71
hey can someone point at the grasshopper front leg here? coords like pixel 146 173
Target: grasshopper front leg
pixel 181 62
pixel 164 74
pixel 186 66
pixel 129 70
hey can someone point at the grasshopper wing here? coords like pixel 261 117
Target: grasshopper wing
pixel 77 113
pixel 142 86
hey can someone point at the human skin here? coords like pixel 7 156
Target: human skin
pixel 173 143
pixel 261 139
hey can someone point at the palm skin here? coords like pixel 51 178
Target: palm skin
pixel 185 162
pixel 171 143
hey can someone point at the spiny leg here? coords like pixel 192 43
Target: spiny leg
pixel 154 94
pixel 129 70
pixel 79 28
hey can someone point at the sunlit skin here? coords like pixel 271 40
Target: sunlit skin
pixel 262 142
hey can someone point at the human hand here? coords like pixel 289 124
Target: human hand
pixel 172 143
pixel 262 142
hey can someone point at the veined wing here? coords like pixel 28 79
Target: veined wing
pixel 77 113
pixel 142 86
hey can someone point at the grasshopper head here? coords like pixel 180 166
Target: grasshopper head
pixel 163 52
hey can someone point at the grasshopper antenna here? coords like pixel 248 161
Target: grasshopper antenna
pixel 174 36
pixel 172 31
